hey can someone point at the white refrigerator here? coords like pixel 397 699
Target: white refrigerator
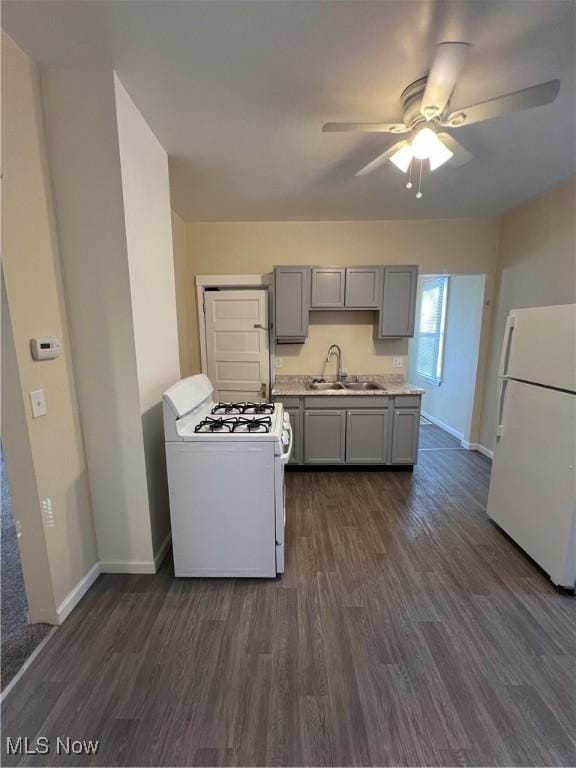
pixel 533 487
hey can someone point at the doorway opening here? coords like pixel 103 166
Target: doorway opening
pixel 443 358
pixel 19 637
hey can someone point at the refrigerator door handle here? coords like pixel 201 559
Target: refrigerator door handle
pixel 502 388
pixel 507 344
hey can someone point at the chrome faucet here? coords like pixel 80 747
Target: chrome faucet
pixel 335 350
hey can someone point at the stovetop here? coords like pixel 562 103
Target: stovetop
pixel 234 424
pixel 243 408
pixel 234 421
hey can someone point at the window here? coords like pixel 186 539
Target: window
pixel 430 328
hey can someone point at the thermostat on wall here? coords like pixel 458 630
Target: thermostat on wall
pixel 45 349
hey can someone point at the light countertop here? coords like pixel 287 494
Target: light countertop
pixel 392 384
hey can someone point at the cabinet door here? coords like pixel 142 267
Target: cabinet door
pixel 368 436
pixel 405 431
pixel 296 424
pixel 398 301
pixel 328 286
pixel 324 437
pixel 291 303
pixel 363 287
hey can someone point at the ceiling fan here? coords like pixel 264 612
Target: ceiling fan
pixel 426 111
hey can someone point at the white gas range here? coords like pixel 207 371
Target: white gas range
pixel 225 466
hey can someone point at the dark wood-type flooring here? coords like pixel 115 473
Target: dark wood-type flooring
pixel 432 438
pixel 407 630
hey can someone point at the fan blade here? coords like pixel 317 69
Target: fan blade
pixel 448 63
pixel 365 127
pixel 461 156
pixel 381 159
pixel 535 96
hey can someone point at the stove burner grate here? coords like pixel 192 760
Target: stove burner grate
pixel 237 424
pixel 243 407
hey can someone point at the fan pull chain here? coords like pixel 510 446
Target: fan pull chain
pixel 409 185
pixel 419 193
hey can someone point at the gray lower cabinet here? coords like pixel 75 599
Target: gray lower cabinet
pixel 405 430
pixel 368 436
pixel 291 303
pixel 297 456
pixel 344 429
pixel 398 302
pixel 324 436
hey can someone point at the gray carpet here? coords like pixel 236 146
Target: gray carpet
pixel 18 637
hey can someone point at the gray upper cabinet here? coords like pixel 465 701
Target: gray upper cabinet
pixel 324 437
pixel 328 287
pixel 368 436
pixel 405 432
pixel 291 303
pixel 398 301
pixel 363 287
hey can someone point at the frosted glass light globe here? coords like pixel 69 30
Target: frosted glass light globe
pixel 424 143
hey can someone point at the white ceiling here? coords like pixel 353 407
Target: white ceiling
pixel 237 93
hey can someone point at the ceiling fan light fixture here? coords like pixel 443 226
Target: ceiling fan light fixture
pixel 439 155
pixel 403 157
pixel 424 143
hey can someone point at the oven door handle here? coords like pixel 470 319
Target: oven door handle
pixel 285 457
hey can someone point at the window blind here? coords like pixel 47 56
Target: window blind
pixel 430 331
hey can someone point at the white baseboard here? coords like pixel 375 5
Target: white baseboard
pixel 480 448
pixel 75 595
pixel 459 436
pixel 127 566
pixel 442 425
pixel 162 550
pixel 138 566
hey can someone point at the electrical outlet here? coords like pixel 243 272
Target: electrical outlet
pixel 278 362
pixel 397 362
pixel 48 513
pixel 38 400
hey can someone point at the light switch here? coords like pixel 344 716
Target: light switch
pixel 397 362
pixel 38 400
pixel 278 362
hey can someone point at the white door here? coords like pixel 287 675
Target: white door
pixel 237 344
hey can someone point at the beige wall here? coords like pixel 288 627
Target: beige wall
pixel 452 401
pixel 84 158
pixel 536 267
pixel 183 286
pixel 463 245
pixel 56 468
pixel 146 197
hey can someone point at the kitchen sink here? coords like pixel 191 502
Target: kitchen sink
pixel 338 386
pixel 326 386
pixel 362 385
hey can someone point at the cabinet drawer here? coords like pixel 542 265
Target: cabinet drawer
pixel 347 401
pixel 407 401
pixel 288 401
